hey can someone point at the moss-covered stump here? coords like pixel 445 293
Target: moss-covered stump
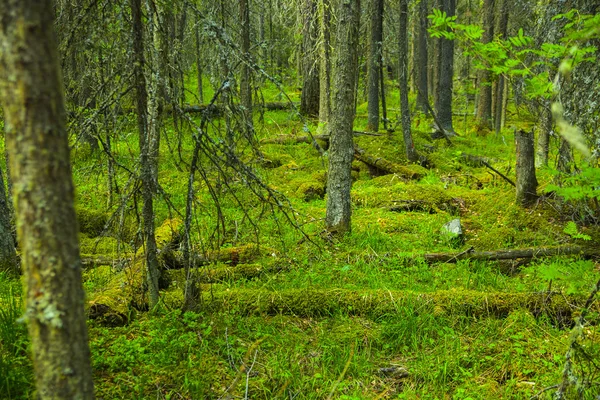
pixel 390 304
pixel 125 291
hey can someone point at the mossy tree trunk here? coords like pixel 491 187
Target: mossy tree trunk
pixel 341 150
pixel 376 46
pixel 411 153
pixel 325 61
pixel 31 92
pixel 146 175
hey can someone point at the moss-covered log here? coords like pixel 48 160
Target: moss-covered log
pixel 222 272
pixel 125 290
pixel 294 139
pixel 384 303
pixel 381 166
pixel 245 254
pixel 589 251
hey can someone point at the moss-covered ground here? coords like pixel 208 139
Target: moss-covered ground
pixel 316 317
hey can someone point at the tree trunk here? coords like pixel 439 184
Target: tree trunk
pixel 245 86
pixel 309 102
pixel 436 59
pixel 341 151
pixel 525 169
pixel 444 99
pixel 8 255
pixel 325 61
pixel 374 64
pixel 31 92
pixel 501 30
pixel 411 153
pixel 422 60
pixel 198 61
pixel 484 107
pixel 148 183
pixel 543 142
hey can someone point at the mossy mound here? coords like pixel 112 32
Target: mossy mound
pixel 91 222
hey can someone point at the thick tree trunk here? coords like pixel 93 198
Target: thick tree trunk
pixel 31 93
pixel 444 98
pixel 484 106
pixel 325 61
pixel 374 64
pixel 525 169
pixel 411 153
pixel 341 151
pixel 422 58
pixel 309 102
pixel 148 183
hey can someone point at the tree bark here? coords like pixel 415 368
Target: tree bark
pixel 422 58
pixel 148 183
pixel 245 86
pixel 325 61
pixel 31 92
pixel 341 151
pixel 8 254
pixel 411 153
pixel 484 107
pixel 444 99
pixel 376 45
pixel 525 169
pixel 198 61
pixel 543 142
pixel 500 102
pixel 309 102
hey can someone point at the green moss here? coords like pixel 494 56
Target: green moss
pixel 104 246
pixel 91 222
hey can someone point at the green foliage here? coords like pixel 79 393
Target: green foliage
pixel 571 230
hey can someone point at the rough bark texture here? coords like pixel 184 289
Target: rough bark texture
pixel 374 64
pixel 444 90
pixel 411 153
pixel 484 107
pixel 341 151
pixel 421 57
pixel 31 93
pixel 147 179
pixel 525 169
pixel 325 61
pixel 309 102
pixel 8 255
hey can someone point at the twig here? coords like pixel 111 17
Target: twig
pixel 335 385
pixel 248 374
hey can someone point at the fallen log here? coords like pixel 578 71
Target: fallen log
pixel 380 166
pixel 376 304
pixel 124 292
pixel 223 272
pixel 470 254
pixel 293 139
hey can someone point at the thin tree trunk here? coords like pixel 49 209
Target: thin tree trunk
pixel 8 255
pixel 421 66
pixel 199 62
pixel 484 106
pixel 544 130
pixel 501 30
pixel 31 93
pixel 444 98
pixel 341 150
pixel 374 64
pixel 411 153
pixel 245 85
pixel 325 61
pixel 146 177
pixel 309 102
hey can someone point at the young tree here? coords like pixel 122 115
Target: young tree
pixel 341 150
pixel 376 46
pixel 31 92
pixel 443 104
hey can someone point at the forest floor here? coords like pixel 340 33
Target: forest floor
pixel 308 316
